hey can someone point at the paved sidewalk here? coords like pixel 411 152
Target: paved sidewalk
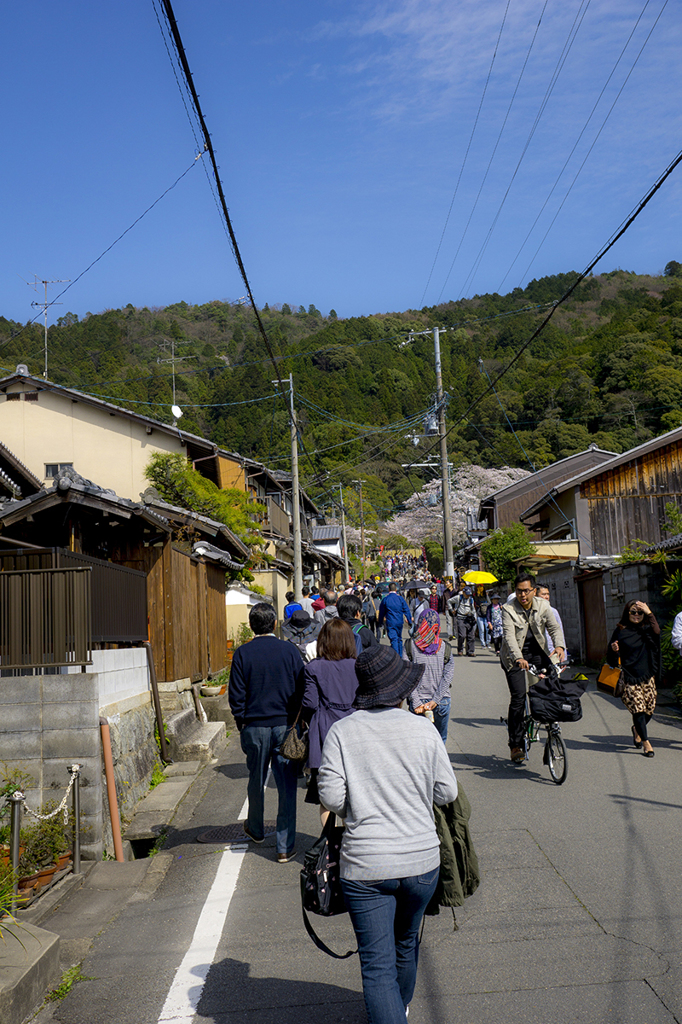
pixel 578 917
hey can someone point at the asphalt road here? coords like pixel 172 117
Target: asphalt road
pixel 578 917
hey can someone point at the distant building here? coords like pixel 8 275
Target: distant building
pixel 608 507
pixel 504 507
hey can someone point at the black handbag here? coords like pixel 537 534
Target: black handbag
pixel 321 882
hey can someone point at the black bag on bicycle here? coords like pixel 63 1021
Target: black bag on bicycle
pixel 553 700
pixel 553 707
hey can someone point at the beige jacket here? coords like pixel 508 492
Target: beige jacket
pixel 515 624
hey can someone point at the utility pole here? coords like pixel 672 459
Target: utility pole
pixel 295 497
pixel 343 535
pixel 362 528
pixel 45 305
pixel 444 469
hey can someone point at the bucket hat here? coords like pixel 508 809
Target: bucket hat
pixel 384 679
pixel 300 618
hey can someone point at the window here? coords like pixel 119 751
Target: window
pixel 52 469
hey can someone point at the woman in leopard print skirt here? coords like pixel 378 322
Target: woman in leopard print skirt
pixel 636 641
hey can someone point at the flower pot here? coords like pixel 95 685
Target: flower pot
pixel 29 883
pixel 210 691
pixel 63 859
pixel 6 855
pixel 45 875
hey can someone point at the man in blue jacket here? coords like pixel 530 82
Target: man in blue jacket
pixel 392 610
pixel 266 693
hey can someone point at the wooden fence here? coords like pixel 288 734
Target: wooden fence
pixel 45 618
pixel 187 618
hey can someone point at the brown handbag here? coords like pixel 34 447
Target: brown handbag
pixel 294 745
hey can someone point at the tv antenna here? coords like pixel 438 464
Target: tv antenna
pixel 45 305
pixel 173 360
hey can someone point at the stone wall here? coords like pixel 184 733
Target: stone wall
pixel 134 752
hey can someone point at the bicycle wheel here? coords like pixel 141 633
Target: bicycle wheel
pixel 555 753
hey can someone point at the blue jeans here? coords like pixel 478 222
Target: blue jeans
pixel 395 637
pixel 482 630
pixel 261 745
pixel 441 717
pixel 386 916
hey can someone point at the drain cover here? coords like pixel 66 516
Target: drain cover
pixel 233 833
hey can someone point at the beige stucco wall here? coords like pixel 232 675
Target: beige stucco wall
pixel 107 448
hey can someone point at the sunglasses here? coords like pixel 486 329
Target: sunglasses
pixel 635 611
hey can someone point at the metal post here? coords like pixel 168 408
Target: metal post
pixel 295 497
pixel 75 770
pixel 16 799
pixel 445 481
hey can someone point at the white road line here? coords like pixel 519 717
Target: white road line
pixel 188 984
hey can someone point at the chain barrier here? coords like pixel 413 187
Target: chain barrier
pixel 75 772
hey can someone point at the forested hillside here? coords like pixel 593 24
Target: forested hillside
pixel 607 369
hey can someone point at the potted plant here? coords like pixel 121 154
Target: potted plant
pixel 11 780
pixel 45 842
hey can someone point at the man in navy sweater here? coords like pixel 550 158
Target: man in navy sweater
pixel 266 692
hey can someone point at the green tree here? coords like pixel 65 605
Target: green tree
pixel 673 269
pixel 504 548
pixel 179 484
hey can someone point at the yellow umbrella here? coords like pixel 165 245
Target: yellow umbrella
pixel 477 576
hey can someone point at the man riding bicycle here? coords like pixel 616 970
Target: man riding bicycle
pixel 525 622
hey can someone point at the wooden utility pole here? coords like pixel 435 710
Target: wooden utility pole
pixel 362 528
pixel 445 476
pixel 343 535
pixel 295 494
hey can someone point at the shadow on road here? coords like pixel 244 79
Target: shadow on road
pixel 490 766
pixel 231 994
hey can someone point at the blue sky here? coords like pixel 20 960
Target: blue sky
pixel 341 130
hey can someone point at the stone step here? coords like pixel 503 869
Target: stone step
pixel 191 740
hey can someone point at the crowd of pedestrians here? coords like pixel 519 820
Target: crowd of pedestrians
pixel 376 767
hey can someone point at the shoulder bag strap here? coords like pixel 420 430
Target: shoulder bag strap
pixel 316 938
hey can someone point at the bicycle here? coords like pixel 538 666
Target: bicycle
pixel 554 756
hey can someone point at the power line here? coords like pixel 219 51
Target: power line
pixel 108 248
pixel 634 214
pixel 495 147
pixel 603 125
pixel 575 145
pixel 466 155
pixel 557 71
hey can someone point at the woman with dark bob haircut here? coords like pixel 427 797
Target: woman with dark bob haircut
pixel 330 687
pixel 636 641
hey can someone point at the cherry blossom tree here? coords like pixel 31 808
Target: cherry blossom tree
pixel 423 515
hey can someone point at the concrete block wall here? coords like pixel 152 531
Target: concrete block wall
pixel 47 723
pixel 122 673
